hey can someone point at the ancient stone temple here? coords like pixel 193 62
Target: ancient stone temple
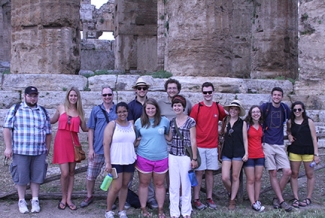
pixel 45 37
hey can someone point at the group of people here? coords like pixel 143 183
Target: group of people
pixel 154 137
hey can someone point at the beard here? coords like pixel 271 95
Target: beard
pixel 31 104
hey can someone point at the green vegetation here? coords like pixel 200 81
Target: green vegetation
pixel 304 17
pixel 64 89
pixel 101 20
pixel 162 74
pixel 6 71
pixel 86 88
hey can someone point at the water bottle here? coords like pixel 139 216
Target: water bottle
pixel 106 182
pixel 312 164
pixel 192 177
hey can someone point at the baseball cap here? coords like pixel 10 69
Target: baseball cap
pixel 31 90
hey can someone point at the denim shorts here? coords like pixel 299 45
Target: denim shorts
pixel 124 168
pixel 252 162
pixel 224 158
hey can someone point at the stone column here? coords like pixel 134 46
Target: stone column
pixel 5 30
pixel 161 32
pixel 45 37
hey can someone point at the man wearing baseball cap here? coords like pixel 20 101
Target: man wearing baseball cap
pixel 27 136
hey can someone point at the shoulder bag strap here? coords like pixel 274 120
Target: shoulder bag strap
pixel 105 113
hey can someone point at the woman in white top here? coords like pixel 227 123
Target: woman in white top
pixel 119 138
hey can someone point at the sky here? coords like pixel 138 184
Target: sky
pixel 98 3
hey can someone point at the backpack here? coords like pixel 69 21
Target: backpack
pixel 267 111
pixel 17 105
pixel 133 199
pixel 198 109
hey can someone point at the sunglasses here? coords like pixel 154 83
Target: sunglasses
pixel 69 120
pixel 208 92
pixel 230 132
pixel 143 88
pixel 296 110
pixel 104 95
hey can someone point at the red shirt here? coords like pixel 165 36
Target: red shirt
pixel 255 149
pixel 207 124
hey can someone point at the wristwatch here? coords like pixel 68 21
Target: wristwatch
pixel 194 159
pixel 317 155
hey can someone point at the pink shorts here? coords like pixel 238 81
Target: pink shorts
pixel 147 166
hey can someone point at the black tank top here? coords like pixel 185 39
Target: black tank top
pixel 303 143
pixel 234 143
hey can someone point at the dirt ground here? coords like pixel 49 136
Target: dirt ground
pixel 50 196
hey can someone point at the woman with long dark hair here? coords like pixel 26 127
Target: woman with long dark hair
pixel 301 133
pixel 255 164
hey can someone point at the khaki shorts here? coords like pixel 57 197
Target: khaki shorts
pixel 209 159
pixel 275 157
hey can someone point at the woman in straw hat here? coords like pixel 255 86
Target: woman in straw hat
pixel 234 151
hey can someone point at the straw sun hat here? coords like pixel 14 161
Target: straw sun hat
pixel 236 103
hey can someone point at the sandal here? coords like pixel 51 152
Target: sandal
pixel 161 215
pixel 296 203
pixel 61 205
pixel 305 202
pixel 72 206
pixel 145 213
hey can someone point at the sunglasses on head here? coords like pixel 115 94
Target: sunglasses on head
pixel 299 109
pixel 230 132
pixel 104 95
pixel 143 88
pixel 69 120
pixel 208 92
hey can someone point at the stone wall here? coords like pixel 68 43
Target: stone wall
pixel 136 35
pixel 5 30
pixel 97 54
pixel 45 37
pixel 311 47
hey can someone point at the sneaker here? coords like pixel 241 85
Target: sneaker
pixel 109 214
pixel 127 205
pixel 211 203
pixel 258 207
pixel 22 205
pixel 86 202
pixel 198 205
pixel 152 204
pixel 276 203
pixel 284 205
pixel 35 206
pixel 122 214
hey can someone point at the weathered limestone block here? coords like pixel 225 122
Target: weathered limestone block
pixel 86 12
pixel 5 29
pixel 9 98
pixel 310 87
pixel 312 43
pixel 95 83
pixel 45 82
pixel 45 37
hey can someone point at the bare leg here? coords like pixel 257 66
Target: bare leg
pixel 124 190
pixel 21 189
pixel 90 184
pixel 35 189
pixel 310 179
pixel 160 190
pixel 113 191
pixel 209 182
pixel 236 168
pixel 143 189
pixel 250 176
pixel 225 175
pixel 275 184
pixel 286 173
pixel 197 188
pixel 295 165
pixel 258 178
pixel 70 183
pixel 64 180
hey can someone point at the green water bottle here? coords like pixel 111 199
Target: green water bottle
pixel 106 182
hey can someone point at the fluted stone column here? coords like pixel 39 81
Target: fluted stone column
pixel 45 37
pixel 5 29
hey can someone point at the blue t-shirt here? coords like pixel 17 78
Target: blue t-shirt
pixel 97 122
pixel 135 110
pixel 153 145
pixel 274 122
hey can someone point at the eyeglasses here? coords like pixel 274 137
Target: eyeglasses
pixel 143 88
pixel 121 112
pixel 109 94
pixel 69 120
pixel 208 92
pixel 230 132
pixel 296 110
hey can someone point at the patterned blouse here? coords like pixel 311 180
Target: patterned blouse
pixel 178 145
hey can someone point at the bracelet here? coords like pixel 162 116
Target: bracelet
pixel 317 155
pixel 194 159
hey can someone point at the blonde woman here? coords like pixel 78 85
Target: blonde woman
pixel 70 116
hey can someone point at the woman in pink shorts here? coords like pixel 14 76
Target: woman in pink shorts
pixel 152 161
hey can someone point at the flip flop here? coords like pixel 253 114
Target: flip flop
pixel 72 206
pixel 61 205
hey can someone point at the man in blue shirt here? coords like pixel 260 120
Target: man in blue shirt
pixel 27 136
pixel 99 118
pixel 275 114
